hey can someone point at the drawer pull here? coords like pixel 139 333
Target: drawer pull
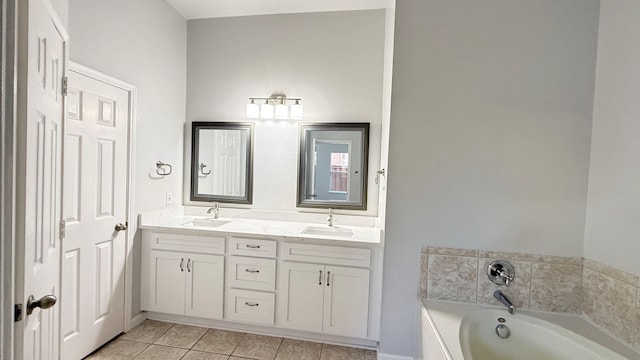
pixel 181 264
pixel 253 271
pixel 251 303
pixel 252 246
pixel 328 274
pixel 320 278
pixel 189 265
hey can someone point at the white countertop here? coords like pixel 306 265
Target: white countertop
pixel 447 316
pixel 174 220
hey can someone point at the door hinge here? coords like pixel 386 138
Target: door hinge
pixel 63 229
pixel 17 312
pixel 65 86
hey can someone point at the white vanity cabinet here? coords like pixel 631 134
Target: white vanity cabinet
pixel 251 280
pixel 307 287
pixel 183 282
pixel 318 296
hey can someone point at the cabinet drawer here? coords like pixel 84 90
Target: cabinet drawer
pixel 252 247
pixel 331 255
pixel 250 306
pixel 188 243
pixel 252 273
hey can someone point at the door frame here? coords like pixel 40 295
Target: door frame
pixel 8 43
pixel 130 321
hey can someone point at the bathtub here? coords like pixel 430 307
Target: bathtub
pixel 457 331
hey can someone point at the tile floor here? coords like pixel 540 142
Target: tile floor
pixel 165 341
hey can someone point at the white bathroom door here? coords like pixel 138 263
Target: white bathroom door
pixel 95 213
pixel 40 126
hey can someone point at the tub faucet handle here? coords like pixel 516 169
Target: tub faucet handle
pixel 501 272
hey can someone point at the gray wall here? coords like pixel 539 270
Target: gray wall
pixel 490 134
pixel 142 42
pixel 613 207
pixel 333 60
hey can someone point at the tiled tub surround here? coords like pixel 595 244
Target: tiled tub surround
pixel 606 296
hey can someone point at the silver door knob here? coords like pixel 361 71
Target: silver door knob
pixel 45 302
pixel 122 227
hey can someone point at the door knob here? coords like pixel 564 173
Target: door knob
pixel 122 227
pixel 45 302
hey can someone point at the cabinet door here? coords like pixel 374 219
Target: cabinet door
pixel 205 285
pixel 300 300
pixel 346 301
pixel 166 281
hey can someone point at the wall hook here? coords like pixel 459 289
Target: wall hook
pixel 202 166
pixel 160 168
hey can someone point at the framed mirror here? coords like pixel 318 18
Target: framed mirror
pixel 222 162
pixel 332 170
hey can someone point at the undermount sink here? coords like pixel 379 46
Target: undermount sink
pixel 325 230
pixel 208 222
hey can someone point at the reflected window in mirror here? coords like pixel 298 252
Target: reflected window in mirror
pixel 332 170
pixel 222 162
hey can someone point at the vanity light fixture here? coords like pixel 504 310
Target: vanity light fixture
pixel 275 106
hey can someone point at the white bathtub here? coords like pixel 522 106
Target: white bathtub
pixel 457 331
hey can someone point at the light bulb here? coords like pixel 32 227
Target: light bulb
pixel 297 111
pixel 266 110
pixel 253 110
pixel 282 110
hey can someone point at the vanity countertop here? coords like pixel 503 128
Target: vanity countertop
pixel 241 226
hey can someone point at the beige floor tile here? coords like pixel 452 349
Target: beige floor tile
pixel 118 350
pixel 201 355
pixel 258 347
pixel 299 350
pixel 370 355
pixel 157 352
pixel 182 336
pixel 334 352
pixel 219 341
pixel 148 332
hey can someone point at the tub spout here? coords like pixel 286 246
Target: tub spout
pixel 498 294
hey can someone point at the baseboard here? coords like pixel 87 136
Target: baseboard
pixel 393 357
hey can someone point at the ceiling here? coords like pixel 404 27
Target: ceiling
pixel 199 9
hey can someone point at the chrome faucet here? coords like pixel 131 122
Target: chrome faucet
pixel 498 294
pixel 330 218
pixel 215 210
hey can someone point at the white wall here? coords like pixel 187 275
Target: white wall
pixel 333 60
pixel 490 134
pixel 142 42
pixel 612 233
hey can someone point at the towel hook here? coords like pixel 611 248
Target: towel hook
pixel 160 168
pixel 202 166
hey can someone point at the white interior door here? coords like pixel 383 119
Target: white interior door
pixel 40 131
pixel 94 204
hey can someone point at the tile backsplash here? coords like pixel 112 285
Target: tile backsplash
pixel 608 297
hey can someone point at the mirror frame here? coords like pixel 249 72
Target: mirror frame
pixel 302 200
pixel 196 126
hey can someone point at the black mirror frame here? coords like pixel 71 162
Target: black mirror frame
pixel 302 166
pixel 196 126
